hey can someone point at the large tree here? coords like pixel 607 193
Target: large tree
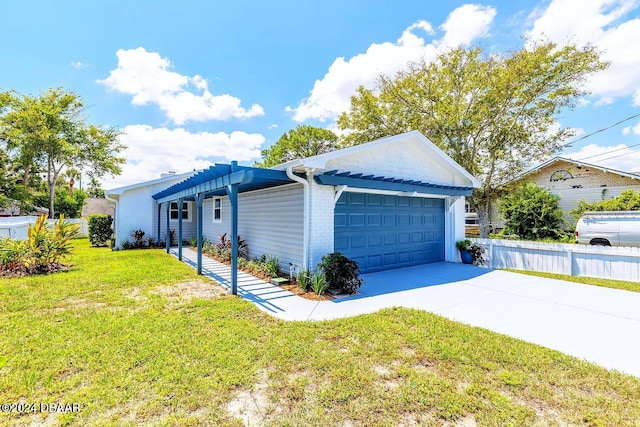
pixel 50 130
pixel 494 114
pixel 303 141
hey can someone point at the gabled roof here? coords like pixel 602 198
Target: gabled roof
pixel 320 161
pixel 119 190
pixel 577 163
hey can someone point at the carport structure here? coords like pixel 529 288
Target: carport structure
pixel 217 180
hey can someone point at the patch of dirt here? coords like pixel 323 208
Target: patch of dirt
pixel 74 303
pixel 135 294
pixel 191 289
pixel 251 406
pixel 410 420
pixel 468 421
pixel 381 370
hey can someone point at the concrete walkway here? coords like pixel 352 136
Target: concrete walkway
pixel 598 324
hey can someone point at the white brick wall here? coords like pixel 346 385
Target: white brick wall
pixel 136 210
pixel 321 231
pixel 401 160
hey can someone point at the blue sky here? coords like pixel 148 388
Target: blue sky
pixel 194 82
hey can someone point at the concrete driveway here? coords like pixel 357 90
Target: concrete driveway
pixel 600 325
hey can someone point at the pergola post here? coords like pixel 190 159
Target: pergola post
pixel 168 235
pixel 199 201
pixel 180 201
pixel 232 192
pixel 159 217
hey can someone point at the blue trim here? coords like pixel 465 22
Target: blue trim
pixel 159 221
pixel 356 180
pixel 213 181
pixel 180 202
pixel 232 192
pixel 199 200
pixel 167 236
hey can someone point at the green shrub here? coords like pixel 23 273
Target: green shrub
pixel 628 200
pixel 318 283
pixel 273 266
pixel 532 213
pixel 341 273
pixel 139 239
pixel 13 253
pixel 193 241
pixel 43 250
pixel 66 204
pixel 126 245
pixel 100 229
pixel 303 280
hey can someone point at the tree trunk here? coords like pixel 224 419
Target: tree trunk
pixel 483 217
pixel 25 185
pixel 52 188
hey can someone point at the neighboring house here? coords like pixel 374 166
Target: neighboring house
pixel 573 180
pixel 97 205
pixel 14 210
pixel 393 202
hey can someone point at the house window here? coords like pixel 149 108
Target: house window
pixel 560 175
pixel 173 211
pixel 468 208
pixel 217 210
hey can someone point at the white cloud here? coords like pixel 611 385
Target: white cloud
pixel 629 129
pixel 599 23
pixel 146 76
pixel 330 95
pixel 152 151
pixel 467 23
pixel 619 157
pixel 80 65
pixel 273 126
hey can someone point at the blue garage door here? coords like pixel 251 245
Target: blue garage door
pixel 384 232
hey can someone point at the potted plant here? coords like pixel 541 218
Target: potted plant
pixel 470 253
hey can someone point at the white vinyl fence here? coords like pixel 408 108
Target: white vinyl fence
pixel 16 226
pixel 607 262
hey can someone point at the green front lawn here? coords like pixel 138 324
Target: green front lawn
pixel 117 335
pixel 606 283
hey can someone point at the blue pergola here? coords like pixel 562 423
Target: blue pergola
pixel 218 180
pixel 358 180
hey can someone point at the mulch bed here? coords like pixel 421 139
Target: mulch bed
pixel 20 270
pixel 310 295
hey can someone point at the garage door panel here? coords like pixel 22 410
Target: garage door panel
pixel 404 238
pixel 375 240
pixel 384 232
pixel 374 199
pixel 356 219
pixel 374 261
pixel 389 220
pixel 390 239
